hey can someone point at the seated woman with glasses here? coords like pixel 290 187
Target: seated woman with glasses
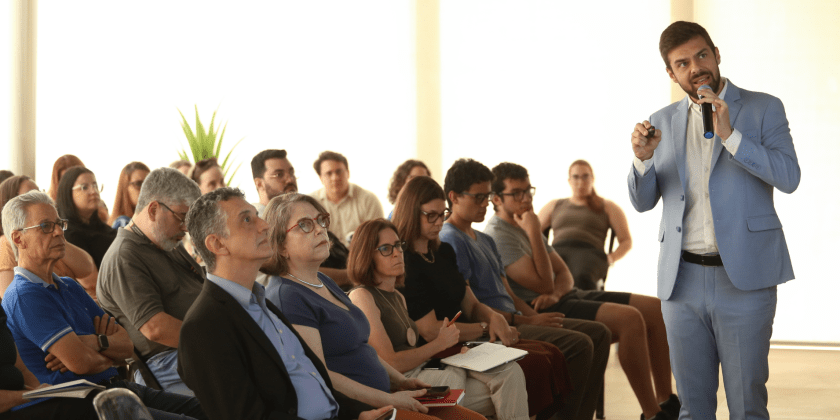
pixel 376 263
pixel 335 329
pixel 76 264
pixel 78 202
pixel 208 175
pixel 435 289
pixel 128 189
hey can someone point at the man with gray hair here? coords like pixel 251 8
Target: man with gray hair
pixel 148 280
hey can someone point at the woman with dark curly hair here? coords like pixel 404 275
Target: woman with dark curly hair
pixel 404 173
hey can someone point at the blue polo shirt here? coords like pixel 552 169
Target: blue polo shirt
pixel 39 314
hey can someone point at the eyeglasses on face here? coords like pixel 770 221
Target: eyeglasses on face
pixel 92 187
pixel 282 174
pixel 388 249
pixel 518 195
pixel 433 217
pixel 307 224
pixel 48 227
pixel 480 198
pixel 180 219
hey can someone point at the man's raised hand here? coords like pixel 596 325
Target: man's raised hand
pixel 644 145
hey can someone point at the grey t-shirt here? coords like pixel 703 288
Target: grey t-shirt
pixel 513 243
pixel 138 280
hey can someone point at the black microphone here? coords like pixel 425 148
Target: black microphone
pixel 706 111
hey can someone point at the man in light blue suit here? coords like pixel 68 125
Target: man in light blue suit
pixel 722 249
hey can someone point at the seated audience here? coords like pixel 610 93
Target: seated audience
pixel 76 264
pixel 148 280
pixel 540 277
pixel 61 166
pixel 182 166
pixel 580 224
pixel 78 202
pixel 376 263
pixel 61 333
pixel 128 189
pixel 435 288
pixel 328 322
pixel 16 379
pixel 208 175
pixel 348 204
pixel 275 175
pixel 234 339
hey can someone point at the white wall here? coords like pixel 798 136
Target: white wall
pixel 304 76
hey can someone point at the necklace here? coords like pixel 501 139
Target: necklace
pixel 317 286
pixel 430 261
pixel 410 335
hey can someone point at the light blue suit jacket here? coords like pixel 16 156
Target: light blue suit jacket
pixel 749 234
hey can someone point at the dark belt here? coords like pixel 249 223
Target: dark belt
pixel 704 260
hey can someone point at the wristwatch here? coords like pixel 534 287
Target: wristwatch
pixel 103 342
pixel 484 332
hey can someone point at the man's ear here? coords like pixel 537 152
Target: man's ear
pixel 260 184
pixel 216 245
pixel 453 197
pixel 153 209
pixel 717 55
pixel 17 238
pixel 497 200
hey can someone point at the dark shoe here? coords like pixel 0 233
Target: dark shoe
pixel 660 416
pixel 671 406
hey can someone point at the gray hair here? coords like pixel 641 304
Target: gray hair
pixel 278 213
pixel 169 186
pixel 16 211
pixel 206 218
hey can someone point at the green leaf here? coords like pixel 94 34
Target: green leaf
pixel 206 142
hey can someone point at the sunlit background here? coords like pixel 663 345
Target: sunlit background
pixel 540 83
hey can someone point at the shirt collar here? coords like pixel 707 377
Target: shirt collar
pixel 32 277
pixel 239 292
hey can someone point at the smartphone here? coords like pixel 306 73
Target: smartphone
pixel 434 364
pixel 389 415
pixel 436 392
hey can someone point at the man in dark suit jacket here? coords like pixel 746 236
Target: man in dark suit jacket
pixel 237 351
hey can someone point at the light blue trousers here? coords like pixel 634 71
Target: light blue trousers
pixel 711 323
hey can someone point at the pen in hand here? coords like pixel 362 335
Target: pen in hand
pixel 453 319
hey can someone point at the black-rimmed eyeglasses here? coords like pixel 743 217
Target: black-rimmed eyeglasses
pixel 433 217
pixel 480 198
pixel 388 249
pixel 48 227
pixel 518 195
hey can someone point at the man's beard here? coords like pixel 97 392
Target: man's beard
pixel 290 187
pixel 714 83
pixel 165 243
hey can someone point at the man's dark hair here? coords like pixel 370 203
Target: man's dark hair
pixel 258 162
pixel 462 175
pixel 503 171
pixel 328 155
pixel 679 33
pixel 206 217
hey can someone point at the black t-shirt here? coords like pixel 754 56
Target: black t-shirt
pixel 439 286
pixel 10 376
pixel 95 239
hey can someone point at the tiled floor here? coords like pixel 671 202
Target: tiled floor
pixel 803 385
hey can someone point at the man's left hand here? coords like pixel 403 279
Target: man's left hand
pixel 54 364
pixel 723 128
pixel 544 301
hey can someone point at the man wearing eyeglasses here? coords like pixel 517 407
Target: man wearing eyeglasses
pixel 60 332
pixel 274 175
pixel 148 280
pixel 539 276
pixel 585 344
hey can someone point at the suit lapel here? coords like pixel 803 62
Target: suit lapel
pixel 679 123
pixel 240 316
pixel 733 100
